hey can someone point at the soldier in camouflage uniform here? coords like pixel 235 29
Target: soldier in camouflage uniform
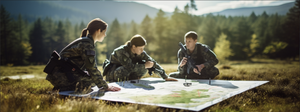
pixel 126 62
pixel 204 58
pixel 81 53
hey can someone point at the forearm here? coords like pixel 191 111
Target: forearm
pixel 159 70
pixel 97 78
pixel 180 69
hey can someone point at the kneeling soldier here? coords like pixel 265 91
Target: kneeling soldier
pixel 66 70
pixel 130 62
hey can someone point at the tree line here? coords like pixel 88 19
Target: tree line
pixel 231 38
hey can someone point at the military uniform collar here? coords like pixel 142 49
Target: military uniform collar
pixel 132 54
pixel 128 49
pixel 90 37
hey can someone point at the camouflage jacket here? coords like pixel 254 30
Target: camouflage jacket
pixel 85 50
pixel 201 54
pixel 123 56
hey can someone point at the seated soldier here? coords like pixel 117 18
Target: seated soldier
pixel 204 60
pixel 130 62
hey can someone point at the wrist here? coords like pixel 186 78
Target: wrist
pixel 181 66
pixel 202 65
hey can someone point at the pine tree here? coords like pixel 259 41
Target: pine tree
pixel 264 15
pixel 161 35
pixel 48 37
pixel 252 18
pixel 209 31
pixel 179 25
pixel 186 8
pixel 259 28
pixel 132 31
pixel 146 29
pixel 69 31
pixel 5 30
pixel 193 5
pixel 77 31
pixel 115 37
pixel 22 41
pixel 81 27
pixel 36 41
pixel 291 33
pixel 240 40
pixel 60 36
pixel 273 33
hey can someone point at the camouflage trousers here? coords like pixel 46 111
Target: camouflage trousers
pixel 60 81
pixel 121 73
pixel 205 74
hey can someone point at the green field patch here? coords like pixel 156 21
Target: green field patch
pixel 175 97
pixel 144 86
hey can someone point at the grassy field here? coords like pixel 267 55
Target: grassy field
pixel 281 94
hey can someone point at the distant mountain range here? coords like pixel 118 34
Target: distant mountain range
pixel 246 11
pixel 77 11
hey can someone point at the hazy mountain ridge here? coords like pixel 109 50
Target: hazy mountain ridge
pixel 77 11
pixel 31 10
pixel 246 11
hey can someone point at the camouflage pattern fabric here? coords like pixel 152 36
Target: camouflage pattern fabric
pixel 125 66
pixel 200 51
pixel 86 51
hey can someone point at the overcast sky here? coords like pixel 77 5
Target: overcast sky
pixel 211 6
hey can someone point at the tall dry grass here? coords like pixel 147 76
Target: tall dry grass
pixel 281 94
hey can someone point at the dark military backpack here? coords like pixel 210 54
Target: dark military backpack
pixel 65 63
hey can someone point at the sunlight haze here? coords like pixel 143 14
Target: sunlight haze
pixel 205 7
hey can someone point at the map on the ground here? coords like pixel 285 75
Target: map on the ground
pixel 188 94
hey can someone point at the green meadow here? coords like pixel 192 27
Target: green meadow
pixel 281 94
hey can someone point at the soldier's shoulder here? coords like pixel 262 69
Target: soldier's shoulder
pixel 86 40
pixel 121 50
pixel 79 43
pixel 203 47
pixel 83 42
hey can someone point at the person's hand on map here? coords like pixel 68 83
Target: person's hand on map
pixel 170 79
pixel 113 88
pixel 200 67
pixel 183 61
pixel 149 64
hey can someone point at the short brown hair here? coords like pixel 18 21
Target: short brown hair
pixel 93 26
pixel 191 34
pixel 137 40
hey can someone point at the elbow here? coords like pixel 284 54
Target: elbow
pixel 216 61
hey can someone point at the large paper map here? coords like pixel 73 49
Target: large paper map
pixel 172 94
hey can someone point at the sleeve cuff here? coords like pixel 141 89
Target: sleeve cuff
pixel 164 76
pixel 206 65
pixel 103 85
pixel 140 66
